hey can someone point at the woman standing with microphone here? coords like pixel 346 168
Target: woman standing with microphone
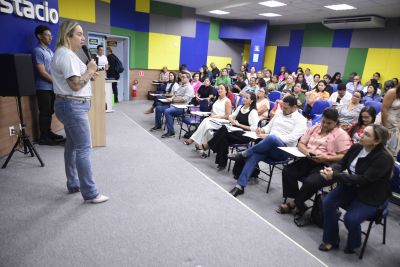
pixel 71 80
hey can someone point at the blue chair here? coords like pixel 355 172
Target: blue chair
pixel 274 95
pixel 377 105
pixel 240 101
pixel 271 105
pixel 203 105
pixel 319 107
pixel 395 182
pixel 334 87
pixel 190 121
pixel 398 156
pixel 317 119
pixel 215 92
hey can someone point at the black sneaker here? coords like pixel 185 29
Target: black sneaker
pixel 167 135
pixel 155 129
pixel 47 142
pixel 56 137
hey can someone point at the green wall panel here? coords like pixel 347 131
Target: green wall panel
pixel 165 9
pixel 317 35
pixel 214 30
pixel 355 61
pixel 139 47
pixel 131 35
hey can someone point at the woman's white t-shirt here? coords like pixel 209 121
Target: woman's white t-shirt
pixel 64 65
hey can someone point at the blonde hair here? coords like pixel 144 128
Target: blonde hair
pixel 65 31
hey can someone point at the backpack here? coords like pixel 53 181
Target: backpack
pixel 317 213
pixel 118 68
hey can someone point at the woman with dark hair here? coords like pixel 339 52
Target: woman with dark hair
pixel 202 74
pixel 245 118
pixel 315 81
pixel 323 144
pixel 372 94
pixel 300 79
pixel 195 82
pixel 273 83
pixel 391 118
pixel 367 117
pixel 170 88
pixel 362 190
pixel 221 109
pixel 336 78
pixel 349 113
pixel 316 94
pixel 329 88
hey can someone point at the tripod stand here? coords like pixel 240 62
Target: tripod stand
pixel 23 139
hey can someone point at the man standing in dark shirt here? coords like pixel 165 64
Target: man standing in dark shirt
pixel 111 73
pixel 42 56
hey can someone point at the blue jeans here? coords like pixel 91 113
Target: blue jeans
pixel 267 149
pixel 356 213
pixel 170 112
pixel 74 115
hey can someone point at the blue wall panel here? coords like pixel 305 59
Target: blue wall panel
pixel 123 15
pixel 342 38
pixel 255 31
pixel 289 56
pixel 18 32
pixel 194 50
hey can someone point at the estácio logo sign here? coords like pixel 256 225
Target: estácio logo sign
pixel 27 9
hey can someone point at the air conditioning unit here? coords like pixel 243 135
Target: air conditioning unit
pixel 359 22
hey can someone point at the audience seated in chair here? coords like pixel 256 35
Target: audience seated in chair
pixel 323 144
pixel 245 118
pixel 182 96
pixel 341 96
pixel 170 88
pixel 205 91
pixel 348 114
pixel 262 104
pixel 367 117
pixel 283 130
pixel 316 94
pixel 221 109
pixel 361 190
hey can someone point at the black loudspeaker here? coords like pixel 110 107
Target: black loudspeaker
pixel 16 73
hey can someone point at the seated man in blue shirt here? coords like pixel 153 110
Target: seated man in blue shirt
pixel 286 127
pixel 42 56
pixel 182 96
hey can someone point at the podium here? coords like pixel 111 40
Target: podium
pixel 97 116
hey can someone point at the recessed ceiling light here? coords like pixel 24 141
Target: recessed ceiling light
pixel 272 3
pixel 270 15
pixel 218 12
pixel 340 7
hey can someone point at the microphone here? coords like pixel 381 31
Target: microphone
pixel 86 51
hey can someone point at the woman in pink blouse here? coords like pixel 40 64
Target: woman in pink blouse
pixel 196 83
pixel 323 145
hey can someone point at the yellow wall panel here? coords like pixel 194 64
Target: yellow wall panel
pixel 164 50
pixel 106 1
pixel 270 57
pixel 143 6
pixel 246 53
pixel 78 10
pixel 315 68
pixel 382 60
pixel 220 62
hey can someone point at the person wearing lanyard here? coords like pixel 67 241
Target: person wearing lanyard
pixel 71 80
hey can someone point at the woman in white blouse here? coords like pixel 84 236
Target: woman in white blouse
pixel 245 118
pixel 221 109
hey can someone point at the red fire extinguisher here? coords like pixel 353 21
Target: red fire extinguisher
pixel 134 88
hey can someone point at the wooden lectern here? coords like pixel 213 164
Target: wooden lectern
pixel 97 115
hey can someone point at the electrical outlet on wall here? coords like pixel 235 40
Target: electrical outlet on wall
pixel 11 130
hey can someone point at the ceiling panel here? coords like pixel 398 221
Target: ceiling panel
pixel 296 11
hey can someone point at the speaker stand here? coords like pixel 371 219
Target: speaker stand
pixel 23 140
